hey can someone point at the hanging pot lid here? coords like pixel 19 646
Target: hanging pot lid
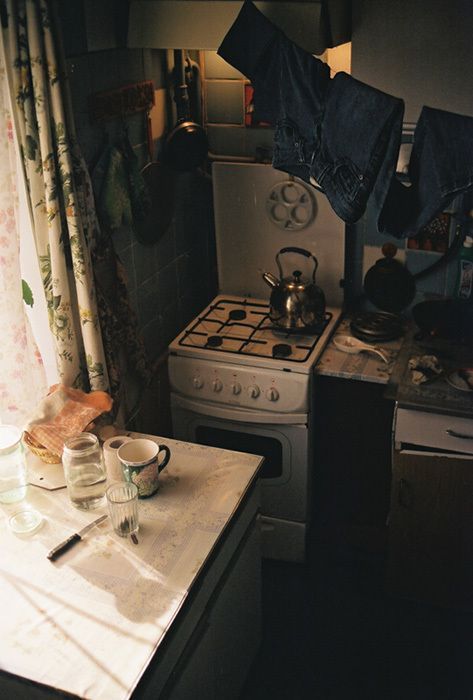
pixel 377 326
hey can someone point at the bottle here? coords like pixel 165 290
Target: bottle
pixel 464 286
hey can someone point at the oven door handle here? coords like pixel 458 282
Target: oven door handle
pixel 237 413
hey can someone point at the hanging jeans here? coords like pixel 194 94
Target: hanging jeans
pixel 343 136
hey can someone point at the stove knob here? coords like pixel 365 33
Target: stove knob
pixel 253 391
pixel 197 383
pixel 217 385
pixel 272 394
pixel 235 388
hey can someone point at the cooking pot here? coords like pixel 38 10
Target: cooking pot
pixel 451 319
pixel 388 284
pixel 391 287
pixel 296 303
pixel 186 146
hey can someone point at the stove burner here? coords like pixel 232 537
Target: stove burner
pixel 214 341
pixel 237 314
pixel 281 350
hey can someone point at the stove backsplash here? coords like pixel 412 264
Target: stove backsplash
pixel 258 212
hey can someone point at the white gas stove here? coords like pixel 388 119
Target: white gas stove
pixel 237 381
pixel 233 354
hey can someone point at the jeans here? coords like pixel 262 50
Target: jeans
pixel 343 136
pixel 440 168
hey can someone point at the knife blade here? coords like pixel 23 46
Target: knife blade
pixel 73 539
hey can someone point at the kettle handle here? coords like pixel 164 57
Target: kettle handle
pixel 301 251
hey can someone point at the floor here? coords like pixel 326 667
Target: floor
pixel 331 633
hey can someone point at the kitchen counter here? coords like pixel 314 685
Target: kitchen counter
pixel 437 395
pixel 364 366
pixel 108 612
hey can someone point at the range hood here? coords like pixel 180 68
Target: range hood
pixel 314 25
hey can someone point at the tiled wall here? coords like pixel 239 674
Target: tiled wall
pixel 171 280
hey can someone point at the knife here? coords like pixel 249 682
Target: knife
pixel 73 539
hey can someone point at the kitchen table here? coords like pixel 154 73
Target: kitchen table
pixel 111 619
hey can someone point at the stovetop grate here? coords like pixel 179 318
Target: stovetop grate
pixel 248 338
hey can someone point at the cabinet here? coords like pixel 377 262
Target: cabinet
pixel 430 542
pixel 352 462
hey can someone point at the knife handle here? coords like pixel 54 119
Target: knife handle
pixel 63 547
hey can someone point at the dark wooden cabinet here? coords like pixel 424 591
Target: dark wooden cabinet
pixel 352 462
pixel 430 542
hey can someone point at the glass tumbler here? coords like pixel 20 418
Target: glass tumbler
pixel 13 474
pixel 84 469
pixel 123 508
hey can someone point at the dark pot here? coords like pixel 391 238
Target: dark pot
pixel 388 284
pixel 451 319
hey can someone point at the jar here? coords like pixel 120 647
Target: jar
pixel 13 472
pixel 84 471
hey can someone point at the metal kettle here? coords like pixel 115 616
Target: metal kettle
pixel 296 303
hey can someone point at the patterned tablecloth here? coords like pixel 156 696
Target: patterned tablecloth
pixel 90 623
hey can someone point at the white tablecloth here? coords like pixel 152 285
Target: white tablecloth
pixel 89 623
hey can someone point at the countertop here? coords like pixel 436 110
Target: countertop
pixel 434 396
pixel 364 366
pixel 90 623
pixel 437 395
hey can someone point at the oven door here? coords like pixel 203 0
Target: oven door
pixel 285 447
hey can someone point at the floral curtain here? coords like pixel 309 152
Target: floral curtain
pixel 22 376
pixel 60 193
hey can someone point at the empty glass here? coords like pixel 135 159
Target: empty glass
pixel 122 501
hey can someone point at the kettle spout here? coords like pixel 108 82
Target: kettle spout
pixel 270 279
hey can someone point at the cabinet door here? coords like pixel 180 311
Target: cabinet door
pixel 430 554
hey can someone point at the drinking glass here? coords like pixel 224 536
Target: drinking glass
pixel 123 508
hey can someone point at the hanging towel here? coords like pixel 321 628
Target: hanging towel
pixel 111 188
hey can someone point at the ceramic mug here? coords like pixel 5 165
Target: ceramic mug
pixel 141 464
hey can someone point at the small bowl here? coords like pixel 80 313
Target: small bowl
pixel 25 521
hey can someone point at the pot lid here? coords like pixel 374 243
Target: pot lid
pixel 373 326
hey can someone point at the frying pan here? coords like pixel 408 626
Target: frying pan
pixel 186 146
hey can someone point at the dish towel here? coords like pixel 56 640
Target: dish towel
pixel 65 412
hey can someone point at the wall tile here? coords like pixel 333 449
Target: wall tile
pixel 224 102
pixel 165 248
pixel 167 286
pixel 433 284
pixel 78 70
pixel 130 65
pixel 215 67
pixel 241 141
pixel 144 263
pixel 105 74
pixel 148 301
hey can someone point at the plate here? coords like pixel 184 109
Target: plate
pixel 458 379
